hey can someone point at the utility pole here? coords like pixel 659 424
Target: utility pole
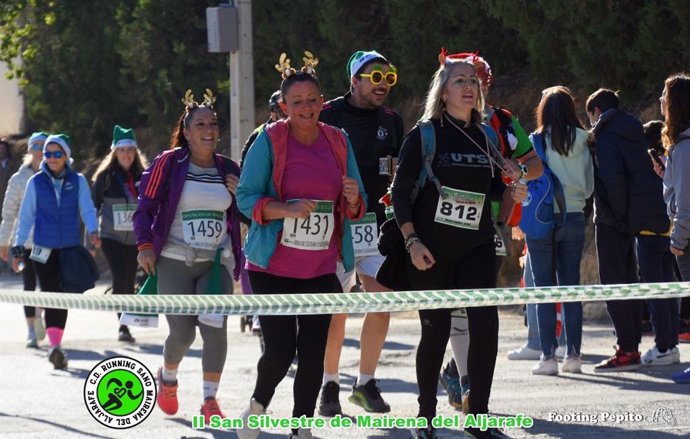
pixel 229 29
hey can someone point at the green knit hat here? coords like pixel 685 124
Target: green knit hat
pixel 359 58
pixel 60 139
pixel 123 137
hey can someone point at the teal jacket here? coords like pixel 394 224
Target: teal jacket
pixel 261 180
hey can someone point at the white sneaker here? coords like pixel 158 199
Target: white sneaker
pixel 39 327
pixel 655 358
pixel 546 366
pixel 572 365
pixel 560 352
pixel 302 433
pixel 255 408
pixel 676 354
pixel 524 353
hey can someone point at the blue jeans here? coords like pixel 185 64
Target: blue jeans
pixel 556 261
pixel 655 264
pixel 533 341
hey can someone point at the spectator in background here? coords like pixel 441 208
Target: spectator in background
pixel 555 258
pixel 675 104
pixel 625 203
pixel 656 264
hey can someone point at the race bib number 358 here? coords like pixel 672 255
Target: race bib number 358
pixel 313 232
pixel 365 234
pixel 461 209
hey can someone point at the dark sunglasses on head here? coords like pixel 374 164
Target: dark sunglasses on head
pixel 51 154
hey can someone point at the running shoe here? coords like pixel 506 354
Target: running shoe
pixel 39 327
pixel 572 364
pixel 682 377
pixel 124 335
pixel 255 408
pixel 560 352
pixel 546 366
pixel 329 404
pixel 493 433
pixel 369 397
pixel 447 375
pixel 302 433
pixel 31 342
pixel 620 362
pixel 167 395
pixel 424 433
pixel 524 353
pixel 58 357
pixel 654 357
pixel 210 408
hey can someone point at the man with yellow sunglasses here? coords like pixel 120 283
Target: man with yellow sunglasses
pixel 376 133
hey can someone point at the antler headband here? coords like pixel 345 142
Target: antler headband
pixel 189 102
pixel 310 62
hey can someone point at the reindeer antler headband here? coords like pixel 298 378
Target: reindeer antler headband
pixel 285 70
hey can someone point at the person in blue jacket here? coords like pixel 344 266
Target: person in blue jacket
pixel 55 198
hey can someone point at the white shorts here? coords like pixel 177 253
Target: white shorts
pixel 366 265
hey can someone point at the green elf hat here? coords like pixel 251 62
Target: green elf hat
pixel 123 137
pixel 359 58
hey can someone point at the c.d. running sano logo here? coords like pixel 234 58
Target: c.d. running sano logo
pixel 120 392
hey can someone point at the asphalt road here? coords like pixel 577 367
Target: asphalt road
pixel 39 402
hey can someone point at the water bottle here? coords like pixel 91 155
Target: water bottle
pixel 21 266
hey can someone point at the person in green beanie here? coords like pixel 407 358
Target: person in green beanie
pixel 115 191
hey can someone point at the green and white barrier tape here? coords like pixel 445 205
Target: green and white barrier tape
pixel 286 304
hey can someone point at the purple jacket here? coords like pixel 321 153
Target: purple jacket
pixel 159 194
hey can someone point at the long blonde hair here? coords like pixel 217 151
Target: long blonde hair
pixel 434 105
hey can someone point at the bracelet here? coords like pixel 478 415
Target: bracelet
pixel 411 240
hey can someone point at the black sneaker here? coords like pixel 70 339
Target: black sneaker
pixel 492 433
pixel 329 404
pixel 58 357
pixel 369 398
pixel 124 335
pixel 426 433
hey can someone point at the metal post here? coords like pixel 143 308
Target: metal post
pixel 242 82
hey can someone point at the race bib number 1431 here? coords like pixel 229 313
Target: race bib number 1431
pixel 313 232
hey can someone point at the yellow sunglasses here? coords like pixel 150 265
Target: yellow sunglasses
pixel 377 76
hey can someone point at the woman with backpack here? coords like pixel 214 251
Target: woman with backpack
pixel 300 185
pixel 115 191
pixel 448 230
pixel 675 104
pixel 563 145
pixel 188 235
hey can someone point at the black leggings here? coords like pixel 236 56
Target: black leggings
pixel 29 278
pixel 122 260
pixel 470 270
pixel 283 335
pixel 49 277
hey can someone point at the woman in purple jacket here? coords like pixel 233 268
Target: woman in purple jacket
pixel 187 216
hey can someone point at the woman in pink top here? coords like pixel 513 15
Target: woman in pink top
pixel 300 186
